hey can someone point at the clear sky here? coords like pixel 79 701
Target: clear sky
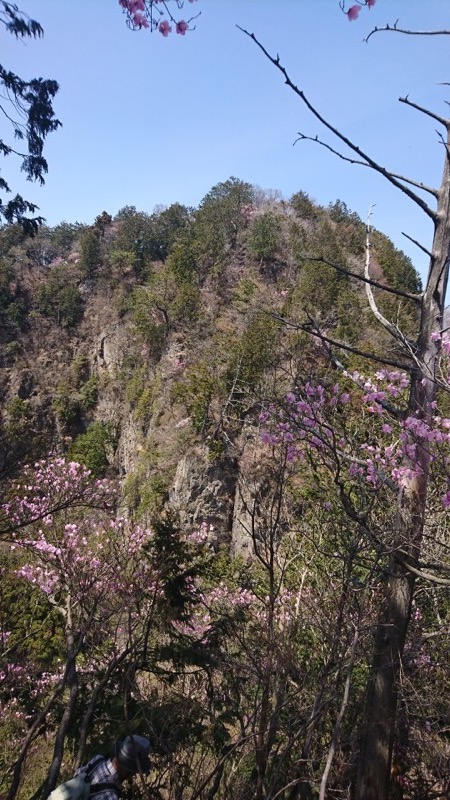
pixel 150 121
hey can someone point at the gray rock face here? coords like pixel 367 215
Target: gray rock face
pixel 241 532
pixel 205 492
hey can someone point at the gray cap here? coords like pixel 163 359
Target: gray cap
pixel 132 754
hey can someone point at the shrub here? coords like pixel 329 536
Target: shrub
pixel 264 237
pixel 90 252
pixel 59 299
pixel 304 206
pixel 92 448
pixel 66 405
pixel 89 393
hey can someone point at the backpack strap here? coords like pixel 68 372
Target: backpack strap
pixel 96 761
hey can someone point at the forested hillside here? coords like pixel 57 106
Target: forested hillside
pixel 198 547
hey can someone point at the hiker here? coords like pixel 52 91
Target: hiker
pixel 131 757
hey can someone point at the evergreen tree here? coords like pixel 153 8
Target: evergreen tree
pixel 28 107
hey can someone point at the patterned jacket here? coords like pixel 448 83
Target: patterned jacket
pixel 102 771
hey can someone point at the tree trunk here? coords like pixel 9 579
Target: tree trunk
pixel 378 729
pixel 71 682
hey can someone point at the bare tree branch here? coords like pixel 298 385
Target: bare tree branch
pixel 393 329
pixel 427 576
pixel 389 326
pixel 442 120
pixel 394 29
pixel 410 181
pixel 420 246
pixel 398 292
pixel 309 327
pixel 337 726
pixel 370 161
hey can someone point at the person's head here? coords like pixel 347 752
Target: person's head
pixel 132 756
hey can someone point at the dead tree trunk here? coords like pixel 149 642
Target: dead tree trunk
pixel 374 761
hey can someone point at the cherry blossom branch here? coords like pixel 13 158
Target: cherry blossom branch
pixel 49 487
pixel 141 14
pixel 392 410
pixel 367 159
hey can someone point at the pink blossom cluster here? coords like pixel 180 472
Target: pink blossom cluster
pixel 150 14
pixel 15 682
pixel 212 604
pixel 249 211
pixel 44 681
pixel 43 577
pixel 52 485
pixel 4 636
pixel 13 672
pixel 136 10
pixel 311 421
pixel 201 535
pixel 14 717
pixel 222 596
pixel 91 562
pixel 443 340
pixel 222 599
pixel 353 12
pixel 442 337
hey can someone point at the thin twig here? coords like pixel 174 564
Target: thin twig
pixel 368 159
pixel 394 29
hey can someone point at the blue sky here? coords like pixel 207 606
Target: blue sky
pixel 150 121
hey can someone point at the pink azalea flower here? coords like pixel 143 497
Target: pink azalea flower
pixel 164 28
pixel 370 3
pixel 353 13
pixel 182 27
pixel 446 500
